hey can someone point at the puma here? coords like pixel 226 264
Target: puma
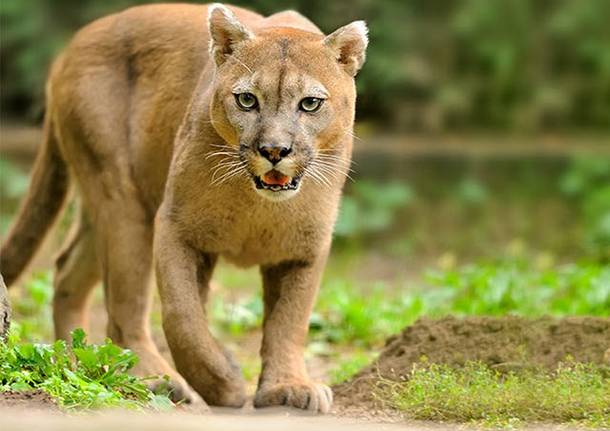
pixel 189 142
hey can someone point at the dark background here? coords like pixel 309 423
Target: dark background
pixel 433 64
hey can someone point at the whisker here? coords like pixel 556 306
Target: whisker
pixel 330 152
pixel 243 64
pixel 353 135
pixel 228 175
pixel 327 171
pixel 223 146
pixel 336 163
pixel 224 168
pixel 315 171
pixel 331 169
pixel 221 153
pixel 320 179
pixel 227 167
pixel 345 170
pixel 343 163
pixel 332 160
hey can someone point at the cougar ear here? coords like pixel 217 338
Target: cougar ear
pixel 349 43
pixel 226 32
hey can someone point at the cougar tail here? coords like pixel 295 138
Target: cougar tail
pixel 44 200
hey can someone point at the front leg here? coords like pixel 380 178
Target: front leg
pixel 290 290
pixel 183 276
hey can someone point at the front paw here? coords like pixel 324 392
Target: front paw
pixel 179 392
pixel 315 397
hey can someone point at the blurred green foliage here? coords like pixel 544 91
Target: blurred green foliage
pixel 359 313
pixel 33 308
pixel 349 311
pixel 518 287
pixel 558 207
pixel 432 64
pixel 370 208
pixel 587 183
pixel 13 185
pixel 347 367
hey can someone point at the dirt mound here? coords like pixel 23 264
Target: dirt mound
pixel 38 400
pixel 505 343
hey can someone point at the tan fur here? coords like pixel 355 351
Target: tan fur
pixel 147 122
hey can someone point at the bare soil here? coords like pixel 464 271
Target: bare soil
pixel 30 400
pixel 505 343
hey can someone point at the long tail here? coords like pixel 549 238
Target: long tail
pixel 44 200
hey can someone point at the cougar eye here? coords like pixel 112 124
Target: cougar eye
pixel 310 104
pixel 246 101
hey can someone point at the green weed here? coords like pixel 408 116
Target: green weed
pixel 348 367
pixel 516 287
pixel 348 312
pixel 84 376
pixel 32 308
pixel 575 393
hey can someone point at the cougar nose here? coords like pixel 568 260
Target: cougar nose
pixel 274 152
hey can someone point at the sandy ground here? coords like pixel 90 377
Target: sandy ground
pixel 277 419
pixel 219 420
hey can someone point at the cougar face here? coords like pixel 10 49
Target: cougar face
pixel 279 101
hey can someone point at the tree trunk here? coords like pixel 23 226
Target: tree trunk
pixel 5 310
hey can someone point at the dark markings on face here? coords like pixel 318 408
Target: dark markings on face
pixel 259 134
pixel 280 85
pixel 283 43
pixel 132 74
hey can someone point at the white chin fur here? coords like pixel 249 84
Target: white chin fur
pixel 279 196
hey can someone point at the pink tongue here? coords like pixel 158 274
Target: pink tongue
pixel 276 178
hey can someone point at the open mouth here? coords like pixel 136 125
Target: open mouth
pixel 276 181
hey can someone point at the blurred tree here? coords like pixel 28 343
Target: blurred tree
pixel 432 64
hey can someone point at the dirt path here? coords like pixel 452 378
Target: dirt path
pixel 220 420
pixel 495 341
pixel 503 343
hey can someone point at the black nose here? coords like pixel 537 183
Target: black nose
pixel 274 152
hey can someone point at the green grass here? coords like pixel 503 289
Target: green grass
pixel 362 314
pixel 353 317
pixel 349 365
pixel 32 308
pixel 349 312
pixel 236 316
pixel 518 287
pixel 575 393
pixel 83 376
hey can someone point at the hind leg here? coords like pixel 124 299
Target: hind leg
pixel 77 272
pixel 98 121
pixel 125 247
